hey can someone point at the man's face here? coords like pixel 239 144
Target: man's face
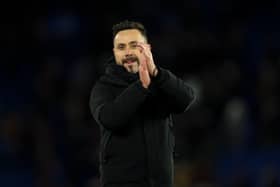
pixel 125 49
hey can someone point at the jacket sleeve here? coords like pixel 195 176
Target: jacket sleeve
pixel 113 113
pixel 179 96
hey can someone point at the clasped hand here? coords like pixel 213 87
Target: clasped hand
pixel 147 67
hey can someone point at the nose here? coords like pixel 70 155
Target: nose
pixel 128 52
pixel 128 55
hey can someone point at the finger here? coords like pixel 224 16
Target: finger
pixel 143 71
pixel 144 65
pixel 145 49
pixel 146 74
pixel 146 55
pixel 143 46
pixel 142 60
pixel 140 69
pixel 143 43
pixel 144 52
pixel 142 74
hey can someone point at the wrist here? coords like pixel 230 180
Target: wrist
pixel 146 86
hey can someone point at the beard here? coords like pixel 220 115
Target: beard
pixel 131 64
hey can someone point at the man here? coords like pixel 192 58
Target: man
pixel 133 103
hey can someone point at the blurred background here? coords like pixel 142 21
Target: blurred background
pixel 228 51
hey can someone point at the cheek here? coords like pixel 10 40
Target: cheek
pixel 137 53
pixel 118 56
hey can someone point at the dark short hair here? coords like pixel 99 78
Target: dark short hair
pixel 124 25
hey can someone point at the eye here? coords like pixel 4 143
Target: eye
pixel 133 45
pixel 121 47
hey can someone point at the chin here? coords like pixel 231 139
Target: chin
pixel 131 69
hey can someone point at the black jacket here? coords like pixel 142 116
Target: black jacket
pixel 137 142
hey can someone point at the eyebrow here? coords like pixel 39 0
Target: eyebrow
pixel 132 42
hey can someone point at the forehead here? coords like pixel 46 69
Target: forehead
pixel 129 35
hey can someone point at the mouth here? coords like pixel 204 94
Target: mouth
pixel 130 60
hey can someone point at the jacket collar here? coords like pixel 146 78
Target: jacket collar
pixel 118 75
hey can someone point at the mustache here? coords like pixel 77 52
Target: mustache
pixel 131 58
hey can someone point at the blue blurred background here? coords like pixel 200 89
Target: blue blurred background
pixel 54 51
